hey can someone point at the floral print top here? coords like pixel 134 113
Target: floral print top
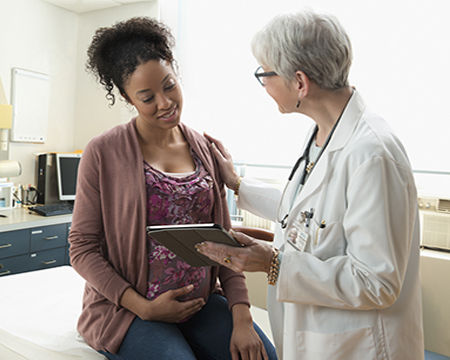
pixel 177 200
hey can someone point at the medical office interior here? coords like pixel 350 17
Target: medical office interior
pixel 50 108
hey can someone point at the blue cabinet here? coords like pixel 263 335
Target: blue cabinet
pixel 68 245
pixel 48 237
pixel 14 265
pixel 34 248
pixel 14 243
pixel 47 258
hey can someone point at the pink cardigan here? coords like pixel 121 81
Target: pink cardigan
pixel 108 244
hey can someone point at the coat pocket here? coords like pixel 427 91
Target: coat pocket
pixel 328 241
pixel 349 345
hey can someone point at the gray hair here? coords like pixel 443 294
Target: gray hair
pixel 316 44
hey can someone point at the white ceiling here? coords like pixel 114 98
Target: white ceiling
pixel 81 6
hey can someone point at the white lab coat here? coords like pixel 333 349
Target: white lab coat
pixel 354 292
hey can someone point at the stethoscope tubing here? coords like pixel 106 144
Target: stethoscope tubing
pixel 305 158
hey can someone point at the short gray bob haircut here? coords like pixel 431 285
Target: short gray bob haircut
pixel 314 43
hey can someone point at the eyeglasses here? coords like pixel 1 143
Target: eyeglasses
pixel 260 75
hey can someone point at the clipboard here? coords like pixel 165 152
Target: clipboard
pixel 181 240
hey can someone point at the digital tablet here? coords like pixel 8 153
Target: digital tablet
pixel 181 240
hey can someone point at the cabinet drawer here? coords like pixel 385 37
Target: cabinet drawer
pixel 47 258
pixel 69 225
pixel 14 243
pixel 67 256
pixel 14 265
pixel 48 237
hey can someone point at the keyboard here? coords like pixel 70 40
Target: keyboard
pixel 52 209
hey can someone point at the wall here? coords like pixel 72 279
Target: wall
pixel 400 66
pixel 93 115
pixel 38 36
pixel 42 37
pixel 221 95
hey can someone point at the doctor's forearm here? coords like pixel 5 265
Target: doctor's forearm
pixel 336 283
pixel 259 198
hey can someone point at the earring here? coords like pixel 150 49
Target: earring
pixel 298 104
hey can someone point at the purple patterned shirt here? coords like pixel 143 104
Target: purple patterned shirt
pixel 177 200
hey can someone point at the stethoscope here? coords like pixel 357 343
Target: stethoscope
pixel 306 170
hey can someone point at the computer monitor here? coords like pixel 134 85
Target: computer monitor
pixel 67 172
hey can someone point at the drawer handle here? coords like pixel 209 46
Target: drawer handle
pixel 5 246
pixel 5 272
pixel 49 262
pixel 51 237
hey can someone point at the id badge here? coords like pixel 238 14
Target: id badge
pixel 298 236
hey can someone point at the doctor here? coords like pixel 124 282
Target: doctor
pixel 343 268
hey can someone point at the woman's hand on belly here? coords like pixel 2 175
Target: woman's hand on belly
pixel 167 308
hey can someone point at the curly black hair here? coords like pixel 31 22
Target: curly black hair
pixel 116 51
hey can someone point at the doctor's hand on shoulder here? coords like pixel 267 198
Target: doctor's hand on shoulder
pixel 225 162
pixel 254 255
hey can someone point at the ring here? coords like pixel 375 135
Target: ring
pixel 227 259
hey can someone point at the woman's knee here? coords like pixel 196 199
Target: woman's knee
pixel 144 339
pixel 270 349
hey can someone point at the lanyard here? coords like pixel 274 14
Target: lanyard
pixel 307 168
